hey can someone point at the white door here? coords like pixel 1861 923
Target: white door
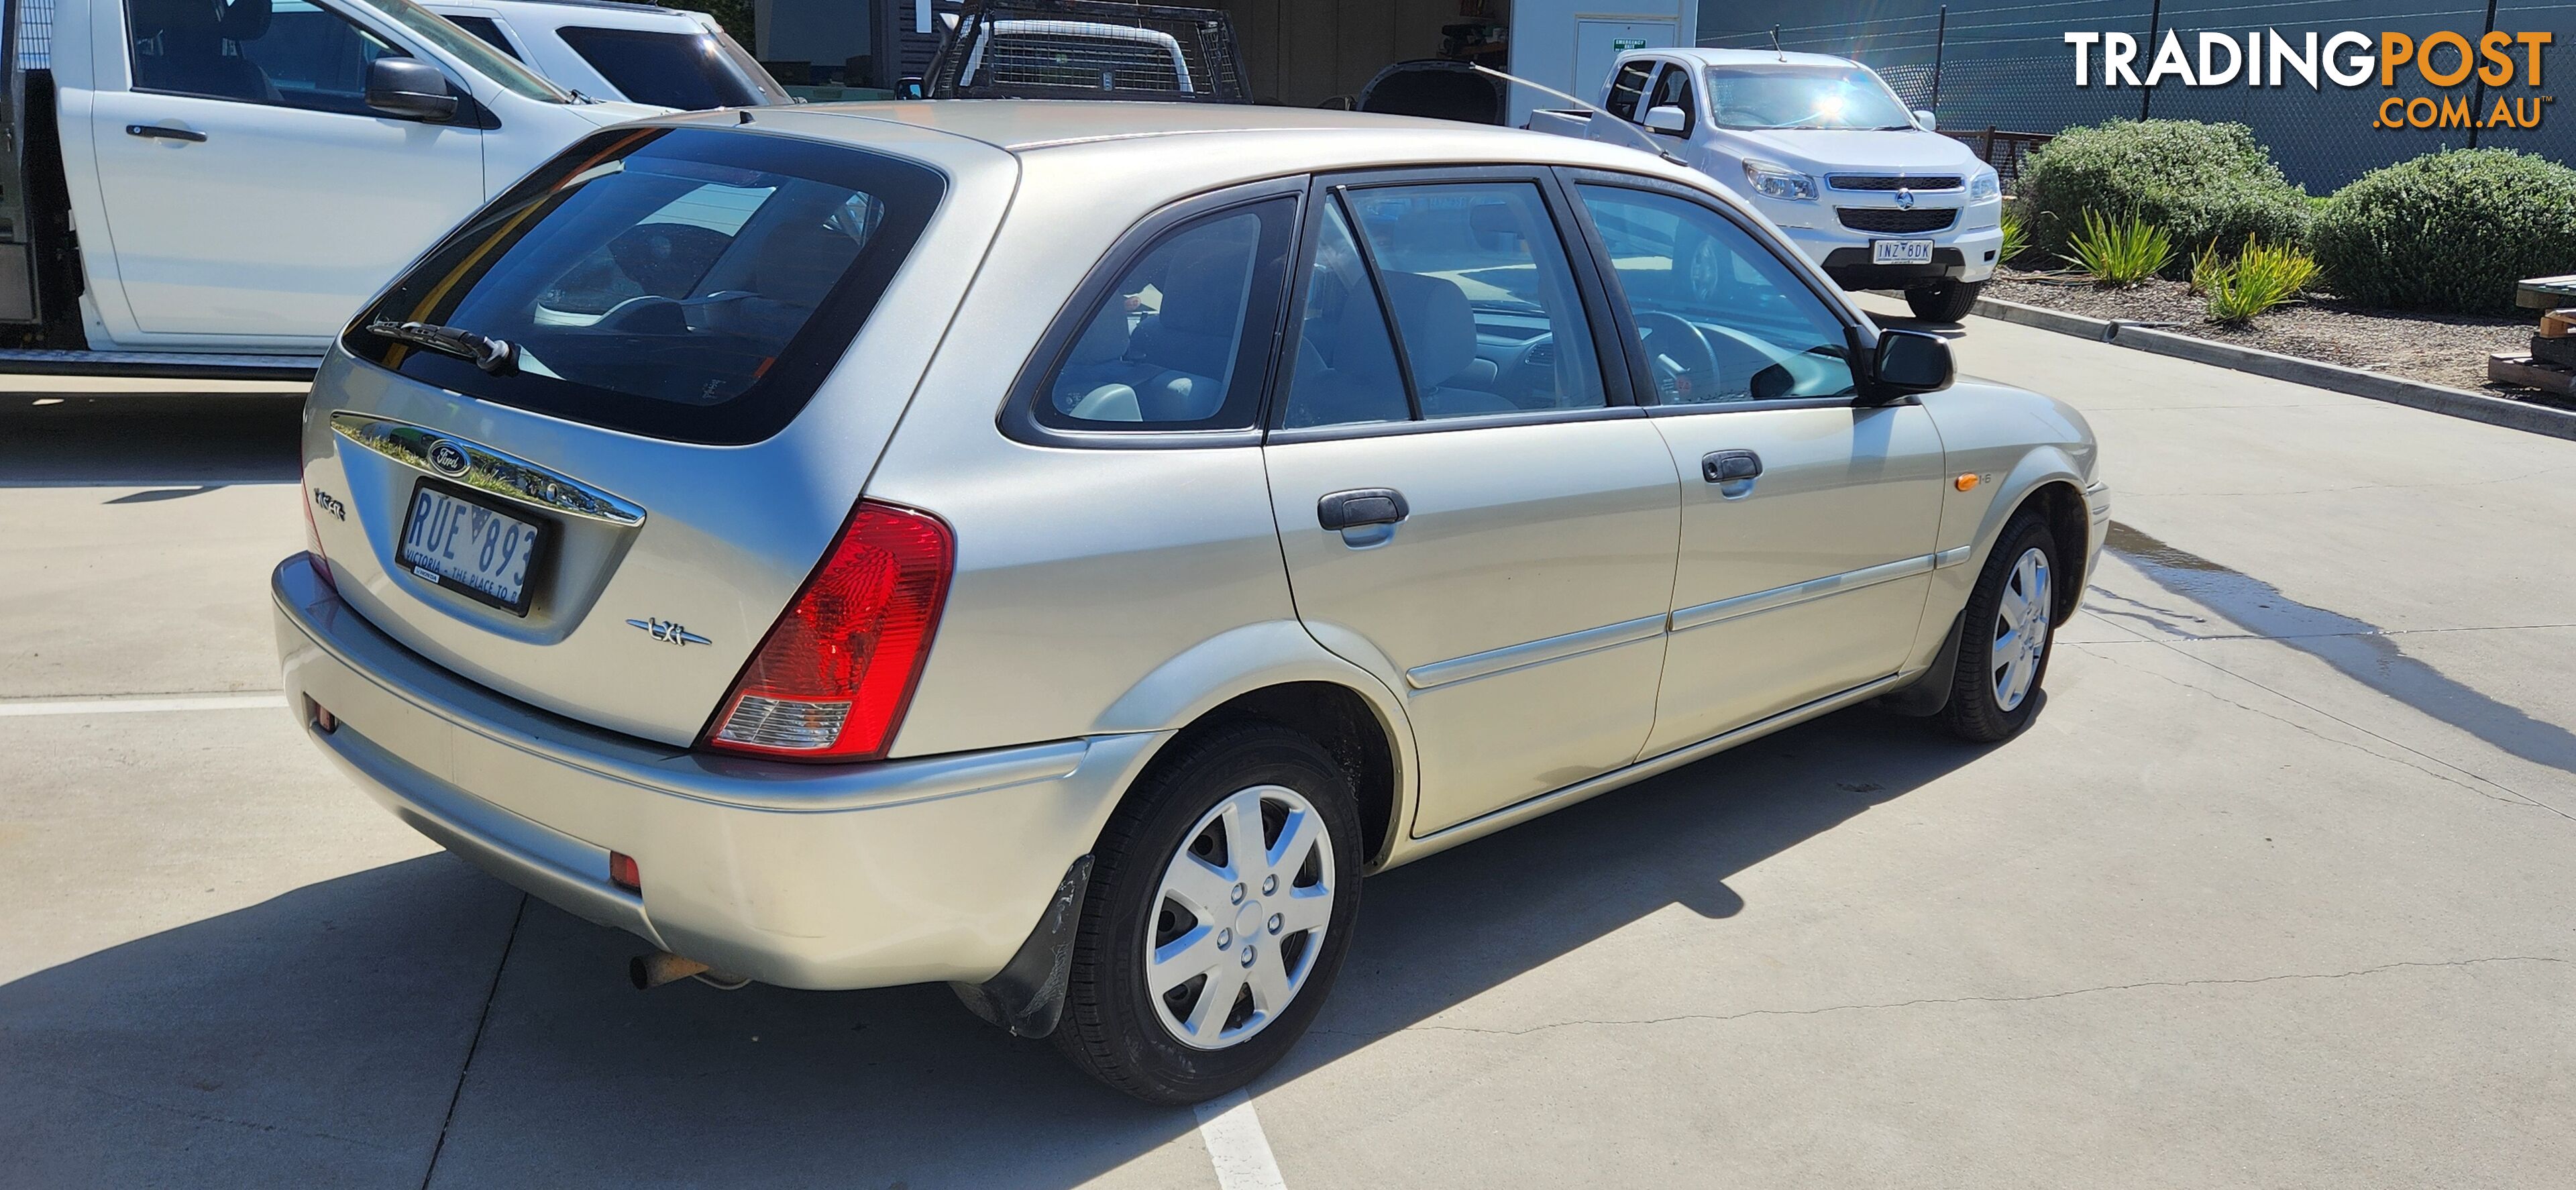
pixel 249 191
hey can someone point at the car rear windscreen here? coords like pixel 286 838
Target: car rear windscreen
pixel 685 283
pixel 691 72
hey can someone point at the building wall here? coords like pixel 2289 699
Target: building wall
pixel 2004 63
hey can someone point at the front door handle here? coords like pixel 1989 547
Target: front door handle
pixel 1361 507
pixel 158 132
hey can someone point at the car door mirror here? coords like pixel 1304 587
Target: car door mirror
pixel 1667 119
pixel 1924 120
pixel 1909 362
pixel 409 88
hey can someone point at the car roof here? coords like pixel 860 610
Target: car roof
pixel 1021 125
pixel 1707 56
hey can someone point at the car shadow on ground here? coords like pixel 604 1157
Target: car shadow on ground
pixel 144 440
pixel 316 1037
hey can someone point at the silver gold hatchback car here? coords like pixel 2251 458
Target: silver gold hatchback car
pixel 1060 549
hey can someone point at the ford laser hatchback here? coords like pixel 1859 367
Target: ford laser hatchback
pixel 1062 550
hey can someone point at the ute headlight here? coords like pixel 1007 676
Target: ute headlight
pixel 1984 187
pixel 1773 181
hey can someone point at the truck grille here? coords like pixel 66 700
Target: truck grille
pixel 1890 219
pixel 1884 182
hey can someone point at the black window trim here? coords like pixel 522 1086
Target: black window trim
pixel 1582 260
pixel 510 43
pixel 1860 335
pixel 1017 417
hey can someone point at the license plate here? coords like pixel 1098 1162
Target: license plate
pixel 1900 251
pixel 468 545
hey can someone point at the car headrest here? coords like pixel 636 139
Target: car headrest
pixel 247 20
pixel 1203 291
pixel 155 17
pixel 799 263
pixel 1439 329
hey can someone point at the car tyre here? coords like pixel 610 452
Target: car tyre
pixel 1944 301
pixel 1145 902
pixel 2006 636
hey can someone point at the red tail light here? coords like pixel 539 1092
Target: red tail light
pixel 833 677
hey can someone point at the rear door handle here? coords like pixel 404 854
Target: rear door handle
pixel 1361 507
pixel 157 132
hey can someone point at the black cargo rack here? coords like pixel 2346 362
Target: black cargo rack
pixel 1089 49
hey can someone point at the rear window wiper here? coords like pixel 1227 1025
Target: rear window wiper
pixel 496 356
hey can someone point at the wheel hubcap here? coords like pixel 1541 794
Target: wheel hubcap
pixel 1223 960
pixel 2021 630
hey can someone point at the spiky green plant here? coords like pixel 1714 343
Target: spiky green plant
pixel 2119 252
pixel 2016 238
pixel 2261 278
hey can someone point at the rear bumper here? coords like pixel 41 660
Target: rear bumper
pixel 806 876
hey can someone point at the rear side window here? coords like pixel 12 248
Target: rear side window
pixel 691 72
pixel 683 283
pixel 1182 340
pixel 1627 86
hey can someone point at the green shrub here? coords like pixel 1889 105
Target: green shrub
pixel 2122 251
pixel 2202 183
pixel 2261 277
pixel 2449 231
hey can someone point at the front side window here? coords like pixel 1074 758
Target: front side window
pixel 1476 281
pixel 684 283
pixel 1719 318
pixel 691 72
pixel 290 53
pixel 1181 340
pixel 1627 86
pixel 1673 89
pixel 1758 96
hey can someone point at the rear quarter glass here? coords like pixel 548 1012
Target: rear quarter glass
pixel 689 284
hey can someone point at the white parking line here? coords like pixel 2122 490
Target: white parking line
pixel 1236 1145
pixel 128 706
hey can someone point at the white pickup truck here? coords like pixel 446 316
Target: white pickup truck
pixel 1823 148
pixel 212 187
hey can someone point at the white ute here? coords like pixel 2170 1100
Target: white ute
pixel 1823 148
pixel 212 189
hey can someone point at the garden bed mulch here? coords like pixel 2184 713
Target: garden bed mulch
pixel 2439 348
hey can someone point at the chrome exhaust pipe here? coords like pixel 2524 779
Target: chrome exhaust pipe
pixel 649 971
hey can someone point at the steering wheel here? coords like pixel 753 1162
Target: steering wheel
pixel 1680 356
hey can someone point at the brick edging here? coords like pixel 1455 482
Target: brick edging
pixel 2377 386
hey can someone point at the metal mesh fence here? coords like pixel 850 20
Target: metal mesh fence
pixel 2007 66
pixel 35 34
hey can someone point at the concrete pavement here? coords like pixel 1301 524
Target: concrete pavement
pixel 2273 894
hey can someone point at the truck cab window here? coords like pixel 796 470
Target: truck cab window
pixel 290 53
pixel 1674 90
pixel 1627 86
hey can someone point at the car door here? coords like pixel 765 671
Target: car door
pixel 1469 507
pixel 1808 517
pixel 249 191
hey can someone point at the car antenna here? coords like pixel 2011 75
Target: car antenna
pixel 1643 141
pixel 1782 54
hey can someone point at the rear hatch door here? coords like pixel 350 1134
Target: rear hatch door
pixel 695 339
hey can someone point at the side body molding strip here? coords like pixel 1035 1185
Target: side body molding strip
pixel 1702 615
pixel 1554 648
